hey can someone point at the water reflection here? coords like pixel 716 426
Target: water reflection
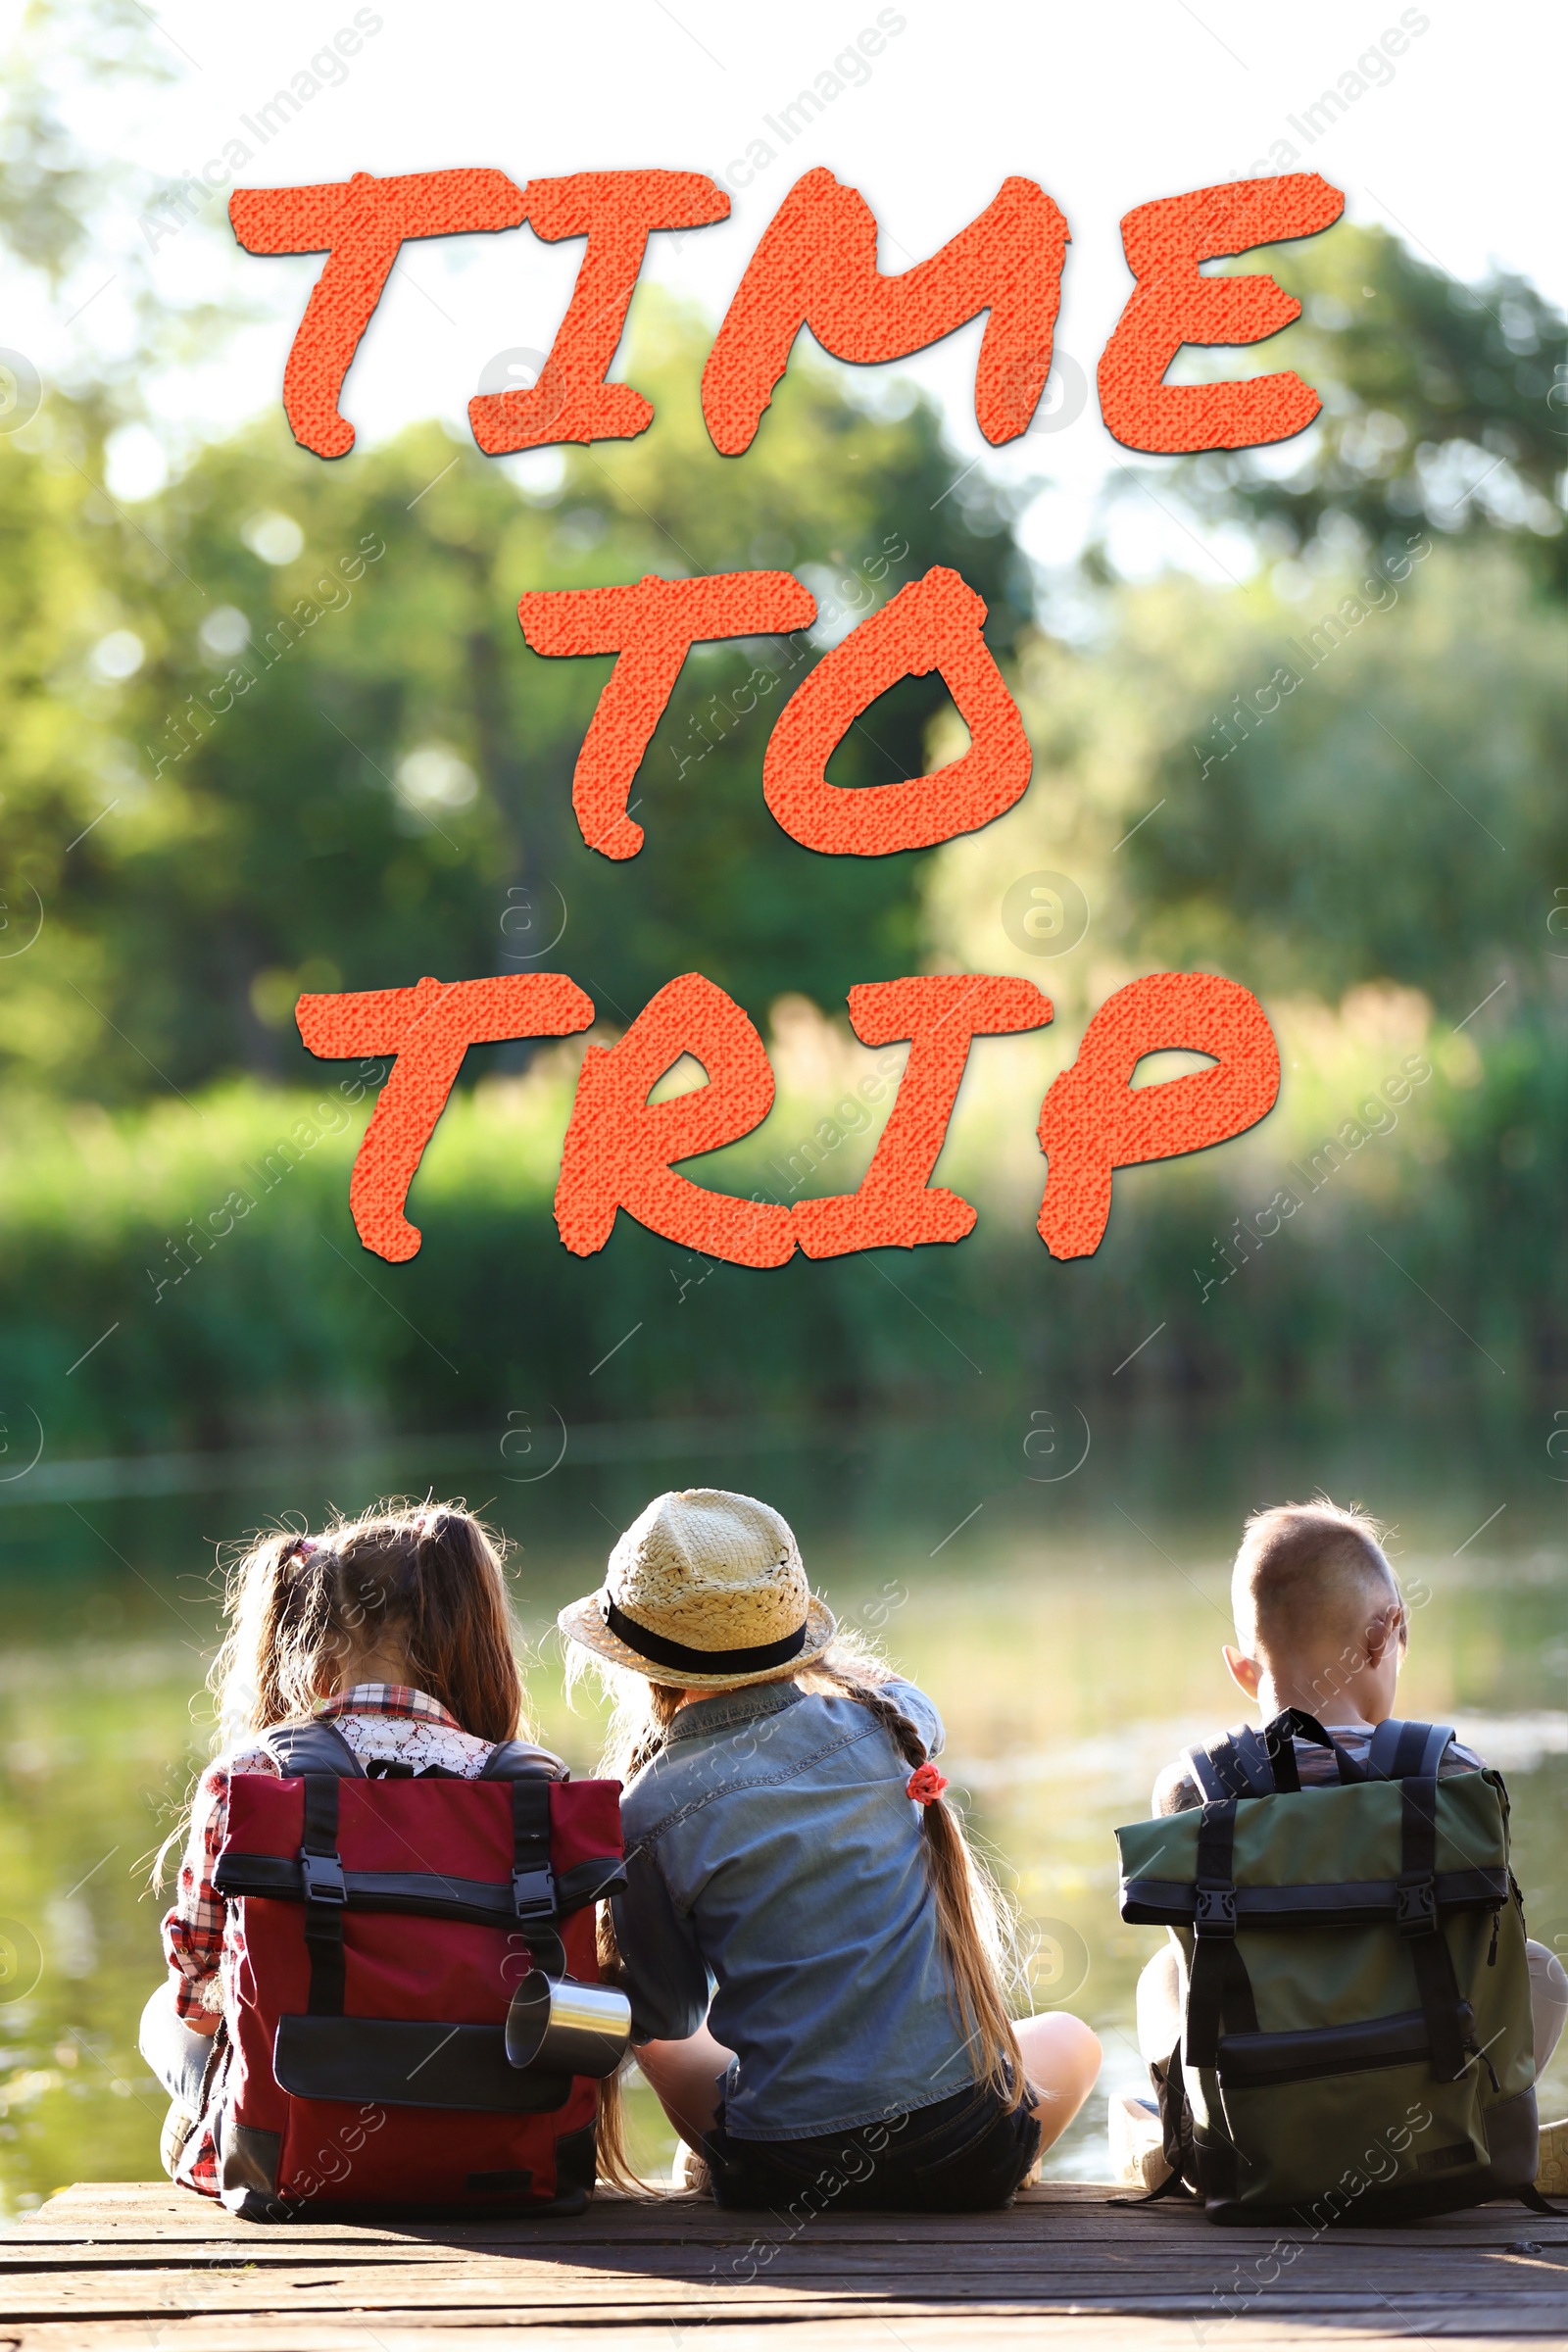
pixel 1069 1626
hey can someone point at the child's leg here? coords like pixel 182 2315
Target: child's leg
pixel 1059 2052
pixel 1137 2136
pixel 1062 2059
pixel 1159 2006
pixel 688 2078
pixel 178 2056
pixel 1549 2000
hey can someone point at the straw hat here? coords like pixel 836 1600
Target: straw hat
pixel 704 1591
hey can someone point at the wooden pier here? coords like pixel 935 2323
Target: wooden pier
pixel 130 2265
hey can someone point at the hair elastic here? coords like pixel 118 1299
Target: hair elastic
pixel 925 1784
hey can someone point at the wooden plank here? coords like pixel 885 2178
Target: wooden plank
pixel 27 2279
pixel 73 2217
pixel 1413 2315
pixel 1221 2263
pixel 97 2200
pixel 1066 2331
pixel 1068 2334
pixel 1481 2314
pixel 124 2265
pixel 811 2256
pixel 90 2207
pixel 254 2294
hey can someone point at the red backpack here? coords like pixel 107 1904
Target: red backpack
pixel 386 1924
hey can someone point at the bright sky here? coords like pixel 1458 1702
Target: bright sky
pixel 1453 142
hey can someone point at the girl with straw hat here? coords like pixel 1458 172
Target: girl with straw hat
pixel 812 1954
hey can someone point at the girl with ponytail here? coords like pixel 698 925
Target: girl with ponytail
pixel 817 1964
pixel 397 1628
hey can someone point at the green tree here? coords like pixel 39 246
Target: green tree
pixel 296 700
pixel 1359 784
pixel 1391 813
pixel 1444 403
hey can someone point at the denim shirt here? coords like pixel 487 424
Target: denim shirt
pixel 774 1856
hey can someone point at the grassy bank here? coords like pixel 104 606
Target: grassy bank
pixel 188 1275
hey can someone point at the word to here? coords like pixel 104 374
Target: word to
pixel 934 623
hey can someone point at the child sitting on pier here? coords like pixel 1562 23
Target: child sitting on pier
pixel 396 1629
pixel 1320 1626
pixel 788 1845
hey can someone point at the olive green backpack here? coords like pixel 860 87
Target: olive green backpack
pixel 1356 2041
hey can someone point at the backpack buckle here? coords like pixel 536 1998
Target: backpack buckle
pixel 533 1892
pixel 1415 1906
pixel 322 1875
pixel 1214 1910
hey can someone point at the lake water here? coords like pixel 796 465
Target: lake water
pixel 1066 1614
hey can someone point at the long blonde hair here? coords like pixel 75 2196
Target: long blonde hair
pixel 975 1928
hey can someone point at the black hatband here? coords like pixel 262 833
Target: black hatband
pixel 661 1653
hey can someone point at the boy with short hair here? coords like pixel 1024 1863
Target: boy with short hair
pixel 1321 1626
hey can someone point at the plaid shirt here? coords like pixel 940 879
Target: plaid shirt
pixel 202 1939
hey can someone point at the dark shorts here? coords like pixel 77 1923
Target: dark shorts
pixel 967 2154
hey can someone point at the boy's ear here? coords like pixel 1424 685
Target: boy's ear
pixel 1386 1629
pixel 1247 1673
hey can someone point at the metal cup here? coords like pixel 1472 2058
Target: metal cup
pixel 568 2027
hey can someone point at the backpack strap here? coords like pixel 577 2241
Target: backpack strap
pixel 1206 1776
pixel 1280 1738
pixel 534 1893
pixel 1236 1766
pixel 316 1754
pixel 1173 2185
pixel 530 1772
pixel 533 1883
pixel 1403 1750
pixel 520 1760
pixel 297 1749
pixel 325 1894
pixel 1252 1763
pixel 1218 1985
pixel 1449 2018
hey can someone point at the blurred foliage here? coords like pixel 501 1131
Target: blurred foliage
pixel 1444 403
pixel 70 218
pixel 294 706
pixel 1397 811
pixel 201 1274
pixel 50 189
pixel 276 728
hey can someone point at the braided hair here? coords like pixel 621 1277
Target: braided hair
pixel 974 1927
pixel 972 1923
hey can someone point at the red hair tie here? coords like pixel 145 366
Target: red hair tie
pixel 925 1785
